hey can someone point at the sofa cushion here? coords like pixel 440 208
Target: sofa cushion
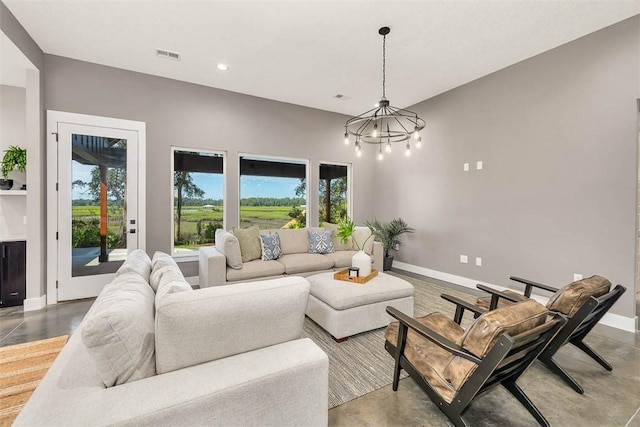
pixel 337 241
pixel 302 263
pixel 294 241
pixel 270 246
pixel 137 262
pixel 255 269
pixel 229 246
pixel 361 236
pixel 570 298
pixel 161 259
pixel 119 331
pixel 171 281
pixel 320 241
pixel 341 259
pixel 249 239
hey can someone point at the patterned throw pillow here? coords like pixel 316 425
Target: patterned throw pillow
pixel 321 241
pixel 270 246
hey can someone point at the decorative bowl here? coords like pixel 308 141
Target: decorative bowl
pixel 6 184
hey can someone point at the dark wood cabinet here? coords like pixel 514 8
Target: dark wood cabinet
pixel 13 273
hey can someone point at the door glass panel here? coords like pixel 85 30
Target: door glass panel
pixel 98 204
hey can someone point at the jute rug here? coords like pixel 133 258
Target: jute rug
pixel 22 367
pixel 361 365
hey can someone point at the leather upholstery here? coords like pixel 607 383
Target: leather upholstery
pixel 446 373
pixel 569 299
pixel 485 302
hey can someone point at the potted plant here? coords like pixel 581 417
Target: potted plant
pixel 388 234
pixel 346 230
pixel 14 157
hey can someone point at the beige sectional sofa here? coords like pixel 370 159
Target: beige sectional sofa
pixel 219 265
pixel 152 351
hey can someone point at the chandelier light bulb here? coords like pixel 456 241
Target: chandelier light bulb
pixel 388 147
pixel 374 134
pixel 416 134
pixel 419 142
pixel 407 152
pixel 346 138
pixel 380 156
pixel 359 153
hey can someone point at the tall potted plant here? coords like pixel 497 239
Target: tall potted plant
pixel 388 233
pixel 14 157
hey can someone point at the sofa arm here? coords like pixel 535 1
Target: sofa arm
pixel 212 267
pixel 208 324
pixel 285 384
pixel 378 256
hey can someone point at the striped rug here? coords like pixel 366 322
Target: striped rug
pixel 22 367
pixel 361 365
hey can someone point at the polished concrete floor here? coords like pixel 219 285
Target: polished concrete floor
pixel 610 399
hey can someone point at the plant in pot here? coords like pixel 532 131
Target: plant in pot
pixel 388 233
pixel 14 157
pixel 346 230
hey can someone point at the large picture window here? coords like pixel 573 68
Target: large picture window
pixel 198 199
pixel 273 193
pixel 333 192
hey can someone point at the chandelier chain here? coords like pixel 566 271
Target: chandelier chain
pixel 384 65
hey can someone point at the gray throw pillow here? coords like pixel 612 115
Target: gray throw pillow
pixel 270 246
pixel 321 241
pixel 249 239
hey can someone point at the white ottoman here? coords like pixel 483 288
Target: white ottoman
pixel 344 308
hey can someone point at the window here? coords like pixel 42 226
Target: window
pixel 273 193
pixel 198 199
pixel 333 192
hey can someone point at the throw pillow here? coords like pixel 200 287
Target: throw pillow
pixel 229 246
pixel 270 246
pixel 321 241
pixel 119 331
pixel 337 241
pixel 249 239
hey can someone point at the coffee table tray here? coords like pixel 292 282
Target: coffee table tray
pixel 344 275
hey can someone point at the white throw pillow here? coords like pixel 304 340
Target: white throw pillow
pixel 119 331
pixel 229 246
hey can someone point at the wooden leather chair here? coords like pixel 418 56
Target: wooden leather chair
pixel 584 302
pixel 453 366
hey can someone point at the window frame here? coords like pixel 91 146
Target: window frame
pixel 181 256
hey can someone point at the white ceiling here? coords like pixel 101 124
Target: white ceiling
pixel 13 63
pixel 306 52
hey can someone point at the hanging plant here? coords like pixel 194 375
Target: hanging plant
pixel 14 157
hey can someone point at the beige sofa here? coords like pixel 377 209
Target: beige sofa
pixel 152 351
pixel 216 269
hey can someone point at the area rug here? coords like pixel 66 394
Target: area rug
pixel 22 367
pixel 361 365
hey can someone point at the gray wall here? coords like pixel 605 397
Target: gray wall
pixel 188 115
pixel 557 195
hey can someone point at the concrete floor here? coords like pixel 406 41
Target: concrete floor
pixel 610 399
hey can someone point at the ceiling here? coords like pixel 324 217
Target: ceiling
pixel 306 52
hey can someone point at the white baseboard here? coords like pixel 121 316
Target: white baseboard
pixel 31 304
pixel 617 321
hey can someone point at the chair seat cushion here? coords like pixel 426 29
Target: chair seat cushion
pixel 485 302
pixel 570 298
pixel 429 359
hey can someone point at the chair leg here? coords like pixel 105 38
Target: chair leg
pixel 592 353
pixel 456 419
pixel 396 375
pixel 517 392
pixel 559 370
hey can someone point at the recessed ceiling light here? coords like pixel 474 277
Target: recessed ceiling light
pixel 222 67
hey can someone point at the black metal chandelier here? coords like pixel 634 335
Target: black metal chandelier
pixel 384 124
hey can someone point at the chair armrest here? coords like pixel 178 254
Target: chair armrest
pixel 198 326
pixel 431 335
pixel 495 296
pixel 212 267
pixel 461 306
pixel 529 284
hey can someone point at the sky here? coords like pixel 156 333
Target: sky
pixel 212 184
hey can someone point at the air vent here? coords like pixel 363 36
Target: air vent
pixel 341 97
pixel 168 54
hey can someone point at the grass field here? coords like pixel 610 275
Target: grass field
pixel 264 217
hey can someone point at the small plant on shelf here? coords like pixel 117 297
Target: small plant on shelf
pixel 14 157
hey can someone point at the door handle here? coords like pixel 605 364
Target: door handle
pixel 132 231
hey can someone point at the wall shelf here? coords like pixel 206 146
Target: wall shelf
pixel 13 192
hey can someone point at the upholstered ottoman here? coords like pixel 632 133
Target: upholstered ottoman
pixel 344 308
